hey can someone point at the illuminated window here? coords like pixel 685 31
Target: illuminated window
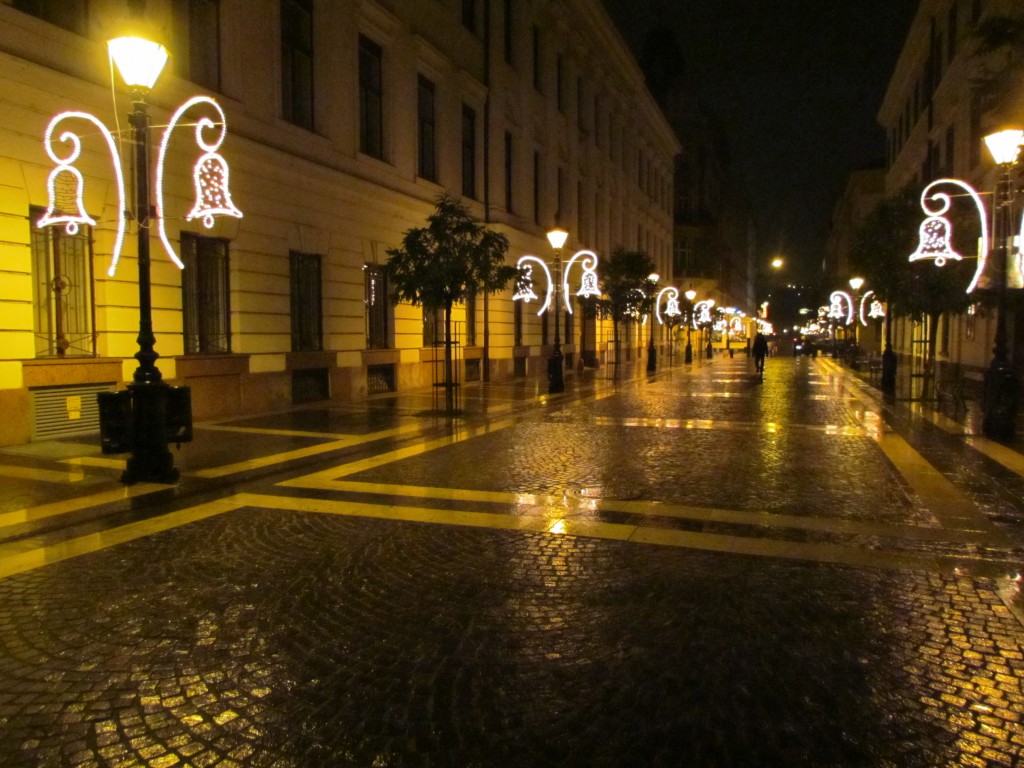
pixel 68 14
pixel 371 98
pixel 197 24
pixel 427 129
pixel 378 313
pixel 297 62
pixel 306 301
pixel 204 288
pixel 61 290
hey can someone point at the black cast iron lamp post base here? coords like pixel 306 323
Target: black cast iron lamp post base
pixel 140 62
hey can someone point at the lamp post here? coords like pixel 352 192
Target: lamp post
pixel 688 353
pixel 652 353
pixel 1001 385
pixel 856 283
pixel 556 372
pixel 140 62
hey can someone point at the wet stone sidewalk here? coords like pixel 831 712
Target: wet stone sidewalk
pixel 284 631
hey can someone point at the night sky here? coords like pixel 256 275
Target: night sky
pixel 796 86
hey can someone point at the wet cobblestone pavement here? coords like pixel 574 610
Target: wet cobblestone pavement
pixel 696 570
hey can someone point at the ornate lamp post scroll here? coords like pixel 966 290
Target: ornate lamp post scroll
pixel 555 291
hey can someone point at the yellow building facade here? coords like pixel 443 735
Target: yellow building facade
pixel 344 121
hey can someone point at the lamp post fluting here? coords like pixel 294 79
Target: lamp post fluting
pixel 140 63
pixel 1001 386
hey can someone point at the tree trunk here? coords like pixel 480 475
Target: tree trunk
pixel 615 343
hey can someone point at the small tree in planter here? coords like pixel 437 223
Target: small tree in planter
pixel 625 289
pixel 445 262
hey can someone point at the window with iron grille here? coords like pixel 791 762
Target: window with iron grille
pixel 433 327
pixel 371 98
pixel 471 319
pixel 61 290
pixel 297 62
pixel 68 14
pixel 307 303
pixel 198 23
pixel 427 129
pixel 204 287
pixel 468 151
pixel 378 310
pixel 517 323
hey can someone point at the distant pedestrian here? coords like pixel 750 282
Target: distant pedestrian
pixel 760 352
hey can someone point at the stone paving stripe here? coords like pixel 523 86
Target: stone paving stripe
pixel 1009 458
pixel 770 427
pixel 42 475
pixel 43 511
pixel 943 499
pixel 64 550
pixel 354 439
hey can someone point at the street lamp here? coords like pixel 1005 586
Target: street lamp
pixel 556 374
pixel 690 296
pixel 140 62
pixel 652 353
pixel 1001 385
pixel 588 288
pixel 856 283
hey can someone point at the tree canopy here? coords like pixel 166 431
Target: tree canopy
pixel 449 260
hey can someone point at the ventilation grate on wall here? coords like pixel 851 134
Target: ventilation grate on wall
pixel 380 379
pixel 66 411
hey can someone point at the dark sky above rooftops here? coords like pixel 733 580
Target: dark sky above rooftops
pixel 796 86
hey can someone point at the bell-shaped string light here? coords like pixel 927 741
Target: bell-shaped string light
pixel 935 234
pixel 588 281
pixel 66 185
pixel 841 308
pixel 524 283
pixel 671 295
pixel 210 173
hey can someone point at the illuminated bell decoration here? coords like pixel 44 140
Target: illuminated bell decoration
pixel 524 287
pixel 212 195
pixel 935 241
pixel 588 284
pixel 64 187
pixel 877 310
pixel 672 307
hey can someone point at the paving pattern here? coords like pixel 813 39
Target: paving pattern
pixel 327 622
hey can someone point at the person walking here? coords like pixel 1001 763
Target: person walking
pixel 760 352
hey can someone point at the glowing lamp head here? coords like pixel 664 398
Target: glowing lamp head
pixel 139 61
pixel 777 263
pixel 1005 145
pixel 690 295
pixel 856 283
pixel 557 237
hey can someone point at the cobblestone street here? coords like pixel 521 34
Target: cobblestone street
pixel 695 569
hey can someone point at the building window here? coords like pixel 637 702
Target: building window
pixel 468 151
pixel 375 296
pixel 68 14
pixel 433 327
pixel 297 62
pixel 61 290
pixel 536 187
pixel 371 98
pixel 471 320
pixel 560 83
pixel 198 23
pixel 970 322
pixel 509 34
pixel 509 169
pixel 307 304
pixel 469 15
pixel 517 323
pixel 537 79
pixel 426 129
pixel 204 287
